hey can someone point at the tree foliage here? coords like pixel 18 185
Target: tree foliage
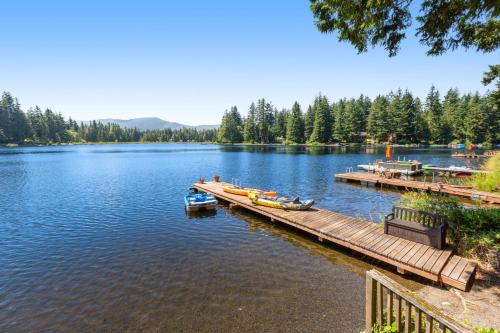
pixel 443 25
pixel 47 127
pixel 398 116
pixel 231 127
pixel 295 125
pixel 322 126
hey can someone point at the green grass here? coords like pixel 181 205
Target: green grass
pixel 491 180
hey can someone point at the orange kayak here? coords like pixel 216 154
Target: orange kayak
pixel 245 190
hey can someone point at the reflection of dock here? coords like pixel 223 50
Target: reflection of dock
pixel 364 237
pixel 457 191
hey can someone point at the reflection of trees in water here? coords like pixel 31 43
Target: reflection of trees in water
pixel 295 149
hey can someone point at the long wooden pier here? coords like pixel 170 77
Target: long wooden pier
pixel 467 193
pixel 365 237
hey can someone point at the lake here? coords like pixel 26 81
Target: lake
pixel 95 238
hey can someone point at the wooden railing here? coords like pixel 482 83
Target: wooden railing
pixel 388 303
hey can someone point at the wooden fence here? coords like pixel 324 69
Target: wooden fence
pixel 388 303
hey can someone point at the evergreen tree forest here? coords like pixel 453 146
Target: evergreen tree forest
pixel 398 117
pixel 47 127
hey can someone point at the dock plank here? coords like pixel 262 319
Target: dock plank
pixel 459 268
pixel 450 266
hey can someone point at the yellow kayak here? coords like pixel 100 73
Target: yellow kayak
pixel 280 203
pixel 245 190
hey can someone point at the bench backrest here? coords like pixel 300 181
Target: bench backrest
pixel 427 219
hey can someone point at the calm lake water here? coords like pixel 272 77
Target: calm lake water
pixel 95 238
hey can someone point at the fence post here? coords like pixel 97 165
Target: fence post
pixel 371 302
pixel 400 305
pixel 380 304
pixel 389 307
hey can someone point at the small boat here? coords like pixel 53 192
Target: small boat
pixel 196 201
pixel 281 203
pixel 238 190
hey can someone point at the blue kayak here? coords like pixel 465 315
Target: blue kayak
pixel 199 201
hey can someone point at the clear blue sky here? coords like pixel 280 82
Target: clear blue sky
pixel 188 61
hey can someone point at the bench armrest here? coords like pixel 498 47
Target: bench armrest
pixel 389 217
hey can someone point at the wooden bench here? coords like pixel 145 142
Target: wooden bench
pixel 421 227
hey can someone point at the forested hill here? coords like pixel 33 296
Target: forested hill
pixel 149 123
pixel 398 117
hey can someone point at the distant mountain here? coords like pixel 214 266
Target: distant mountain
pixel 151 123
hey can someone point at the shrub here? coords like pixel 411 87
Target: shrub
pixel 472 231
pixel 488 181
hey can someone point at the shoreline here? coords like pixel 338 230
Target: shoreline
pixel 378 145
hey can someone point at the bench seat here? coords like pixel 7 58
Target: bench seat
pixel 420 227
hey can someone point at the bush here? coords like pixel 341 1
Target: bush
pixel 472 231
pixel 488 181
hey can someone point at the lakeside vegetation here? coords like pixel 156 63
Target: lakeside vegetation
pixel 473 232
pixel 489 181
pixel 398 117
pixel 47 127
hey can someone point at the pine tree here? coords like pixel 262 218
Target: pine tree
pixel 434 116
pixel 378 128
pixel 362 108
pixel 280 123
pixel 38 125
pixel 295 125
pixel 339 123
pixel 421 129
pixel 492 104
pixel 262 122
pixel 270 119
pixel 230 130
pixel 476 120
pixel 322 128
pixel 308 123
pixel 249 131
pixel 6 109
pixel 20 127
pixel 410 119
pixel 452 116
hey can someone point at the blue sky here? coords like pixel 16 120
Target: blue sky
pixel 188 61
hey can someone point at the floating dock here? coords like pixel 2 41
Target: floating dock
pixel 364 237
pixel 457 191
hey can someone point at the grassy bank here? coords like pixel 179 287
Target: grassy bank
pixel 489 181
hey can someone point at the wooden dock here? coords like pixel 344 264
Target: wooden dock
pixel 467 193
pixel 364 237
